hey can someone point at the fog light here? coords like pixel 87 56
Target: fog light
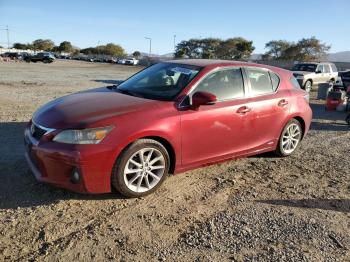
pixel 75 177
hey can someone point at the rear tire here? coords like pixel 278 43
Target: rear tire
pixel 348 119
pixel 289 139
pixel 141 168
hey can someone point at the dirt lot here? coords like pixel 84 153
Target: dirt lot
pixel 261 208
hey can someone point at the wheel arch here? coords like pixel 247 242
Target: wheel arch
pixel 165 142
pixel 309 79
pixel 302 123
pixel 170 149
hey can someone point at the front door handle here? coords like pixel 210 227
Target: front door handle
pixel 243 110
pixel 282 103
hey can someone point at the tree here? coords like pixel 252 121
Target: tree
pixel 306 49
pixel 22 46
pixel 43 44
pixel 113 50
pixel 136 54
pixel 276 49
pixel 66 47
pixel 109 49
pixel 232 48
pixel 209 47
pixel 236 48
pixel 190 48
pixel 312 49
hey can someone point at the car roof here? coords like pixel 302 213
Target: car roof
pixel 205 62
pixel 313 63
pixel 222 63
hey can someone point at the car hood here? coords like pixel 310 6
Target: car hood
pixel 302 72
pixel 82 109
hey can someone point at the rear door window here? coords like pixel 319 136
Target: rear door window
pixel 260 81
pixel 327 69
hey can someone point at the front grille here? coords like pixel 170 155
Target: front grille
pixel 37 132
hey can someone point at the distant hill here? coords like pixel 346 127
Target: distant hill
pixel 339 56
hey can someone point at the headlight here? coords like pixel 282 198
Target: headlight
pixel 83 136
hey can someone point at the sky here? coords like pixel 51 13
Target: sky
pixel 89 23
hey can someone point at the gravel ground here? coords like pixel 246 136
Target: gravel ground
pixel 261 208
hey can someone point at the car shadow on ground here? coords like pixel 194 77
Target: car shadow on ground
pixel 339 205
pixel 18 187
pixel 328 120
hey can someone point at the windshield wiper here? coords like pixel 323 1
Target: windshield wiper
pixel 123 91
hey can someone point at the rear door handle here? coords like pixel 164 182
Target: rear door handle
pixel 282 103
pixel 243 110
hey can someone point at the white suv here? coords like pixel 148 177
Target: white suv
pixel 309 74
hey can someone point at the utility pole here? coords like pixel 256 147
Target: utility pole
pixel 150 44
pixel 6 28
pixel 8 37
pixel 174 43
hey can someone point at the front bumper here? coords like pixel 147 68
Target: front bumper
pixel 54 163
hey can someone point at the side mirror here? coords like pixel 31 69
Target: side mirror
pixel 203 98
pixel 318 72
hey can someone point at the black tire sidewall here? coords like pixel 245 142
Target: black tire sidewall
pixel 118 170
pixel 348 120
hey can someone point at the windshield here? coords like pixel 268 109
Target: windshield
pixel 305 67
pixel 162 81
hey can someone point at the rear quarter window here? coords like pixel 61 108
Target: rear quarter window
pixel 294 82
pixel 334 68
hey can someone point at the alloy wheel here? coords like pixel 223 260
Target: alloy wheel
pixel 308 86
pixel 144 169
pixel 291 138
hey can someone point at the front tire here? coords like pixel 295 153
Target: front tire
pixel 141 168
pixel 290 138
pixel 308 86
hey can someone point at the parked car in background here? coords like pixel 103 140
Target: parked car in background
pixel 168 118
pixel 309 74
pixel 344 79
pixel 45 57
pixel 16 55
pixel 121 61
pixel 131 61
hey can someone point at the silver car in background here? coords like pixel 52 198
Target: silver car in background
pixel 309 74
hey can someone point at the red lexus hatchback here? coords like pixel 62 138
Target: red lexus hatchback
pixel 168 118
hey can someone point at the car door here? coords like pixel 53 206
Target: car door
pixel 269 108
pixel 213 132
pixel 320 76
pixel 327 72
